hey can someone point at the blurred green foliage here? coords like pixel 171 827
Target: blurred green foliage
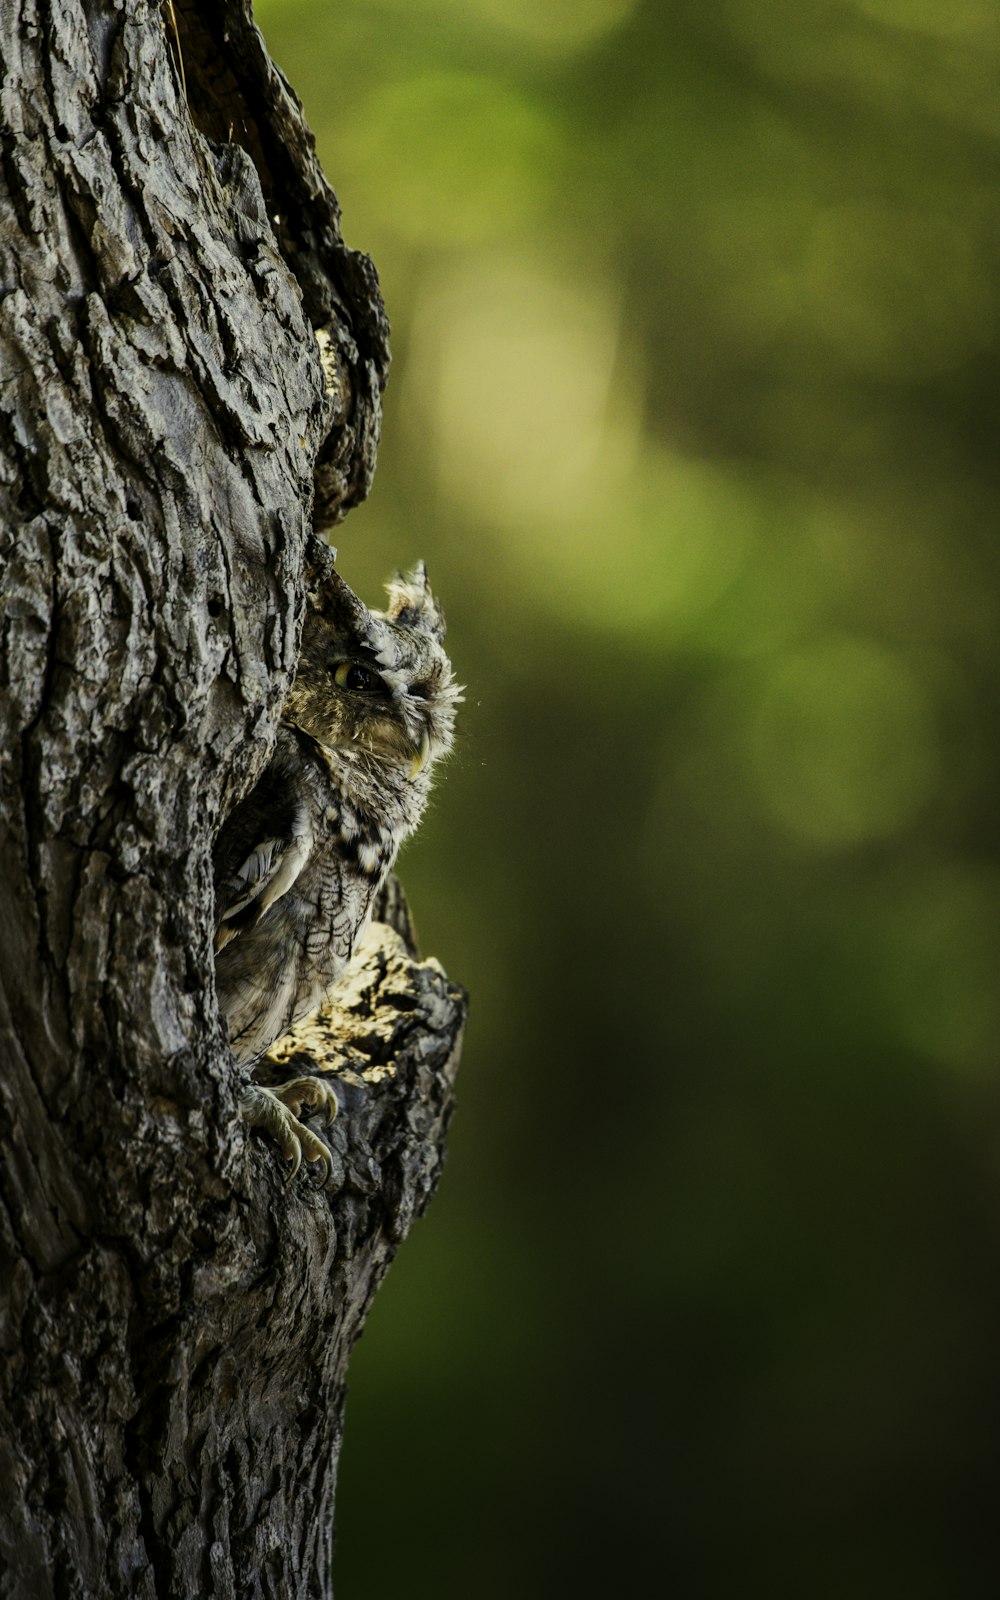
pixel 694 416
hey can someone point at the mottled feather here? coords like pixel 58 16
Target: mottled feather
pixel 299 862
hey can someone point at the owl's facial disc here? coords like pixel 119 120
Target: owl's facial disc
pixel 377 685
pixel 388 737
pixel 378 716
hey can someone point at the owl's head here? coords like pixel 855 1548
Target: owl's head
pixel 375 687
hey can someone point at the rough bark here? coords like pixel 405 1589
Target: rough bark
pixel 175 1322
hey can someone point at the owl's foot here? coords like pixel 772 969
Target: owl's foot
pixel 276 1111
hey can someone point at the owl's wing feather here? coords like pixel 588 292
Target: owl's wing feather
pixel 261 851
pixel 268 871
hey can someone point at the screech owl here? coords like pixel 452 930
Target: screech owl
pixel 300 860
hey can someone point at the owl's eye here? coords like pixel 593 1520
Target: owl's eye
pixel 352 675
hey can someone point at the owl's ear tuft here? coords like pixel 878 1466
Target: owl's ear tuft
pixel 411 604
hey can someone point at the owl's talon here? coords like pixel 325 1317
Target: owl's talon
pixel 276 1111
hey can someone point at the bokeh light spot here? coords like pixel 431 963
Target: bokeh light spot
pixel 669 547
pixel 454 155
pixel 513 372
pixel 842 742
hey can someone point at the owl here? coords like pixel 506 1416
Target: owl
pixel 299 862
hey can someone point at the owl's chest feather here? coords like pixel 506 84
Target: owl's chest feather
pixel 284 966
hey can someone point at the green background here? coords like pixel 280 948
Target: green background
pixel 693 414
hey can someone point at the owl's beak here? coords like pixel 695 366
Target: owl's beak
pixel 420 756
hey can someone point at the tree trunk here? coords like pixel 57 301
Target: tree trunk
pixel 175 1322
